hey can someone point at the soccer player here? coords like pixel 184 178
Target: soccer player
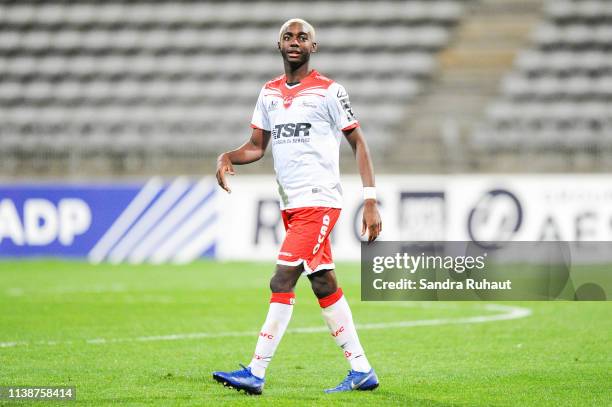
pixel 304 115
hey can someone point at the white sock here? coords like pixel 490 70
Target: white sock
pixel 339 319
pixel 279 314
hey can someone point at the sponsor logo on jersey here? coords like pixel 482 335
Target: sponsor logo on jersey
pixel 346 104
pixel 308 104
pixel 291 130
pixel 273 105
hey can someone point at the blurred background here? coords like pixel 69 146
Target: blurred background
pixel 114 89
pixel 111 112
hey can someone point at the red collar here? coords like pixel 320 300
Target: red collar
pixel 307 79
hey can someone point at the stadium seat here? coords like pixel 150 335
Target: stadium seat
pixel 559 93
pixel 122 74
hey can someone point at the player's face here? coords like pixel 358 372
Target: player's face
pixel 296 44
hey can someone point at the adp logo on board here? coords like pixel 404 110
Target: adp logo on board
pixel 155 221
pixel 42 222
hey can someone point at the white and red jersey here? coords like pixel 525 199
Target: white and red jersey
pixel 306 121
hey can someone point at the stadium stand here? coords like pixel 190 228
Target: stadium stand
pixel 129 86
pixel 558 96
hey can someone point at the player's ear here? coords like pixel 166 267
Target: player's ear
pixel 278 45
pixel 314 47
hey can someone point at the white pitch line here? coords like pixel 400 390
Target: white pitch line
pixel 12 344
pixel 508 313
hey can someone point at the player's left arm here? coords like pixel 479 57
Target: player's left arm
pixel 371 221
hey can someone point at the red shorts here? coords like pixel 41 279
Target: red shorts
pixel 307 240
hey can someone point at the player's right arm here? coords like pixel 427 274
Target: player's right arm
pixel 249 152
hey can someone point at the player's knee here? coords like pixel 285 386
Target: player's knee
pixel 282 283
pixel 324 290
pixel 277 286
pixel 323 285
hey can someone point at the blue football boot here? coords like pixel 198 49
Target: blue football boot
pixel 241 379
pixel 356 381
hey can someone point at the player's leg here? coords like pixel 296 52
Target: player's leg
pixel 251 378
pixel 339 319
pixel 285 278
pixel 338 316
pixel 323 283
pixel 282 285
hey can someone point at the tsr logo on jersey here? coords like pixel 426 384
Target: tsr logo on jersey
pixel 291 130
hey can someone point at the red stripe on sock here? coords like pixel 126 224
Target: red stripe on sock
pixel 283 298
pixel 330 299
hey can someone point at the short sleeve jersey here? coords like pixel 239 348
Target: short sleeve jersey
pixel 306 121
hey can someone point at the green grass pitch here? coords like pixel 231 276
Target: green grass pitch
pixel 152 335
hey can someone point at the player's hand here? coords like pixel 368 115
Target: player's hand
pixel 371 220
pixel 224 165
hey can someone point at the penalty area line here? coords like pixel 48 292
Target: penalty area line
pixel 504 313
